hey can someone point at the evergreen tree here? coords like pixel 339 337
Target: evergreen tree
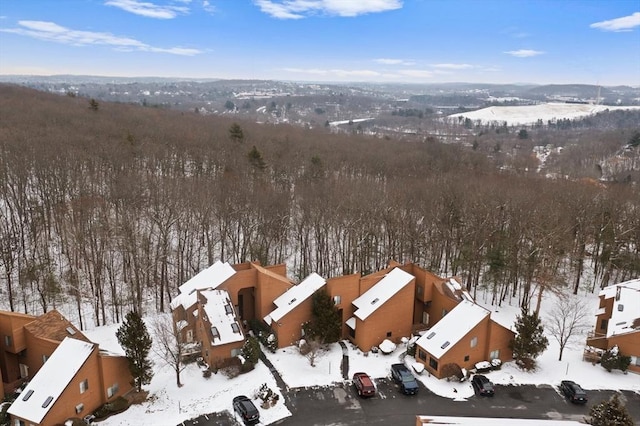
pixel 530 341
pixel 235 133
pixel 325 325
pixel 251 350
pixel 610 413
pixel 136 342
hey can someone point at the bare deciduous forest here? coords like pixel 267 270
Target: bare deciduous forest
pixel 118 205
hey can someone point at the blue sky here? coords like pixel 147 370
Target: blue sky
pixel 407 41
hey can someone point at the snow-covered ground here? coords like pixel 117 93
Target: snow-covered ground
pixel 170 405
pixel 530 114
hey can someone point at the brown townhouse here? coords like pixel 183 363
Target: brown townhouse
pixel 389 304
pixel 63 373
pixel 618 321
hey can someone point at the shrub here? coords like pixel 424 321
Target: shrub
pixel 452 370
pixel 264 334
pixel 231 371
pixel 116 406
pixel 612 359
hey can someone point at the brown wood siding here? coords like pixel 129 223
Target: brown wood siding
pixel 394 316
pixel 289 328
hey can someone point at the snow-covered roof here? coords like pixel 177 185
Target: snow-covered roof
pixel 295 296
pixel 211 277
pixel 453 327
pixel 382 291
pixel 51 380
pixel 626 306
pixel 351 322
pixel 222 317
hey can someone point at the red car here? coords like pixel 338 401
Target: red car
pixel 364 385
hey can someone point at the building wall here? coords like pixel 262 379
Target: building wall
pixel 289 328
pixel 11 324
pixel 36 349
pixel 395 316
pixel 459 351
pixel 628 344
pixel 347 289
pixel 114 370
pixel 499 338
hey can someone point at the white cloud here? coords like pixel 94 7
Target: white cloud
pixel 524 53
pixel 389 61
pixel 297 9
pixel 453 66
pixel 50 31
pixel 626 23
pixel 150 10
pixel 208 7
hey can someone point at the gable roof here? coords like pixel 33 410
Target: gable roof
pixel 51 380
pixel 295 296
pixel 625 316
pixel 211 277
pixel 454 326
pixel 382 291
pixel 54 326
pixel 222 317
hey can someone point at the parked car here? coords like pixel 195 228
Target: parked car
pixel 573 392
pixel 402 376
pixel 482 385
pixel 363 384
pixel 246 409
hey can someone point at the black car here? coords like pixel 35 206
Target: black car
pixel 573 392
pixel 247 410
pixel 402 376
pixel 482 385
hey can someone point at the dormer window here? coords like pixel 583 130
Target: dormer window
pixel 228 309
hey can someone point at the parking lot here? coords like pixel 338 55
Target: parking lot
pixel 340 405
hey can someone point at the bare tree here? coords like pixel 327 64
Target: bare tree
pixel 567 319
pixel 168 344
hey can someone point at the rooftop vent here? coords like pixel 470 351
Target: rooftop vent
pixel 620 307
pixel 374 301
pixel 292 300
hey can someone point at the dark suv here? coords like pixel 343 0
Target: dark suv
pixel 574 392
pixel 482 385
pixel 363 384
pixel 401 375
pixel 243 406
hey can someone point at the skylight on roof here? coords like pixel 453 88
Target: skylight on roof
pixel 433 333
pixel 47 401
pixel 374 301
pixel 235 328
pixel 228 309
pixel 28 395
pixel 445 344
pixel 71 331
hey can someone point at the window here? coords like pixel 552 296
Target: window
pixel 474 342
pixel 112 390
pixel 419 290
pixel 422 355
pixel 433 364
pixel 388 334
pixel 189 336
pixel 444 312
pixel 44 358
pixel 79 408
pixel 7 341
pixel 336 300
pixel 84 385
pixel 466 358
pixel 603 324
pixel 19 422
pixel 494 354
